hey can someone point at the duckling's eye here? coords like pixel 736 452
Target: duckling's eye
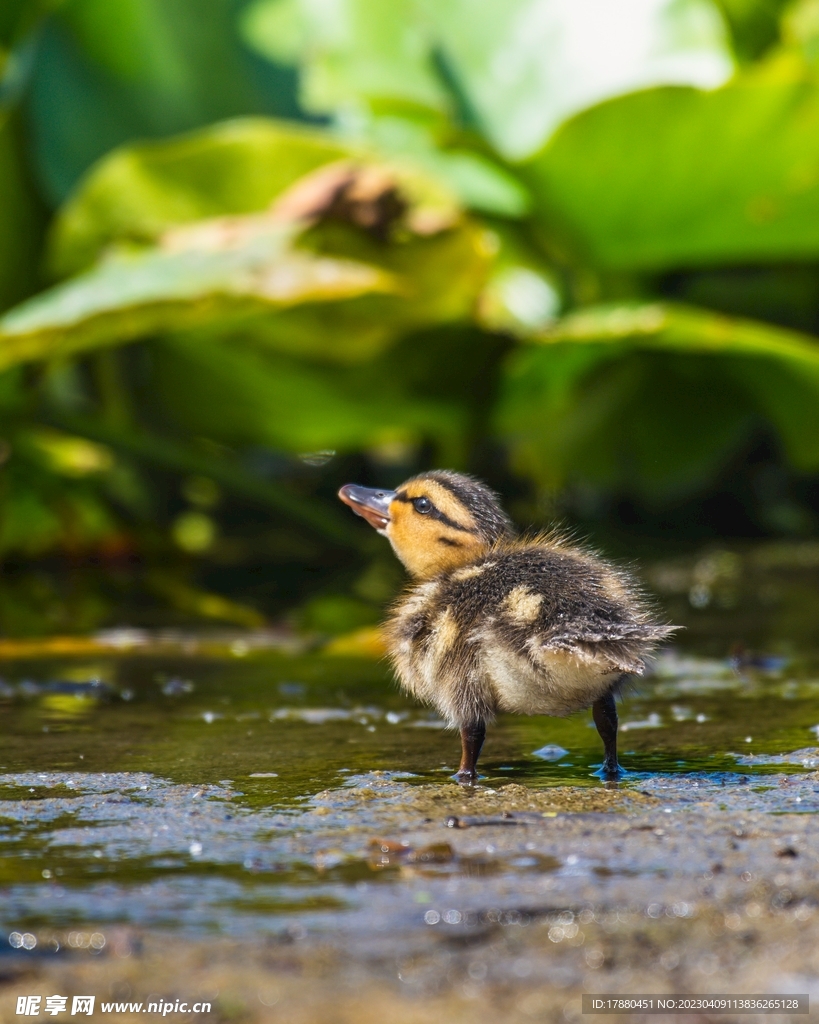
pixel 422 505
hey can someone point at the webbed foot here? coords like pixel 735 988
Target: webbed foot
pixel 610 772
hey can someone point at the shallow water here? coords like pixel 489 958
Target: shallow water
pixel 238 794
pixel 219 805
pixel 280 728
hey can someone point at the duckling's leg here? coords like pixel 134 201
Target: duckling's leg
pixel 472 737
pixel 604 712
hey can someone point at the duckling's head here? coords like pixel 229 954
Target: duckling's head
pixel 435 522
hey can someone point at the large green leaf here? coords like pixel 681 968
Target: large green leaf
pixel 654 398
pixel 516 68
pixel 674 177
pixel 527 65
pixel 213 278
pixel 343 294
pixel 139 191
pixel 685 329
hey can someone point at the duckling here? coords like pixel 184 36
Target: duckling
pixel 493 622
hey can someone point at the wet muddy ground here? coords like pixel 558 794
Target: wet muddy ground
pixel 275 831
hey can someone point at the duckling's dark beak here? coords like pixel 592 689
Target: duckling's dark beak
pixel 372 505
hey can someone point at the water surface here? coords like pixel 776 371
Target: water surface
pixel 230 793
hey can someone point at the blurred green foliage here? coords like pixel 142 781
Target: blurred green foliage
pixel 252 248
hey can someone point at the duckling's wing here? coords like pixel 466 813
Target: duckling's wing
pixel 568 601
pixel 621 646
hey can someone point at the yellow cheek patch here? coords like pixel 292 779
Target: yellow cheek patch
pixel 521 605
pixel 400 518
pixel 431 543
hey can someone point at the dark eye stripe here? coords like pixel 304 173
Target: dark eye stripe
pixel 436 513
pixel 450 522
